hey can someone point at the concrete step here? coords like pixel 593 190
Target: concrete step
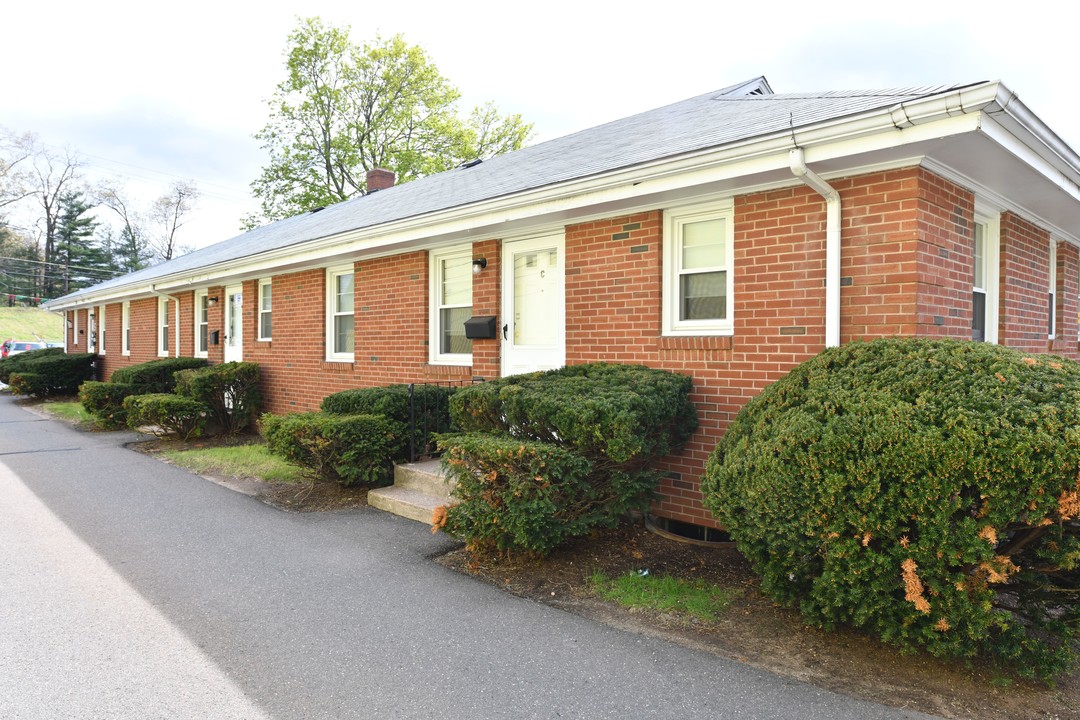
pixel 405 502
pixel 418 489
pixel 423 477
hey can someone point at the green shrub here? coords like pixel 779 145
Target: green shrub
pixel 519 495
pixel 17 363
pixel 50 373
pixel 617 420
pixel 27 383
pixel 432 408
pixel 170 414
pixel 230 390
pixel 615 415
pixel 105 401
pixel 351 449
pixel 923 490
pixel 155 376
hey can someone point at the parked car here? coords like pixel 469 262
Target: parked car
pixel 21 346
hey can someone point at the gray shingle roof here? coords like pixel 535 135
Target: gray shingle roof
pixel 699 123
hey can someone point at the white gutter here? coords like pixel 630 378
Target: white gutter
pixel 832 243
pixel 176 342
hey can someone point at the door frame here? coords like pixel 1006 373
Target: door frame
pixel 237 353
pixel 546 357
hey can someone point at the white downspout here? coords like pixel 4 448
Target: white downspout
pixel 176 342
pixel 832 243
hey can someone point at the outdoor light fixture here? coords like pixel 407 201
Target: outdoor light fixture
pixel 478 264
pixel 211 300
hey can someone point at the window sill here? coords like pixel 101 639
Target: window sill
pixel 696 342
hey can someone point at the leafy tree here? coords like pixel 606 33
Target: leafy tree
pixel 346 109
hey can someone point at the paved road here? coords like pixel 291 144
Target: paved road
pixel 132 589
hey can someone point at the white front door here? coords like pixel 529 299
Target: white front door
pixel 234 323
pixel 533 305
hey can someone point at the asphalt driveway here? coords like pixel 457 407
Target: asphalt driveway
pixel 133 589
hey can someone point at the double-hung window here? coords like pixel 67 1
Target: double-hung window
pixel 340 326
pixel 451 306
pixel 202 324
pixel 698 273
pixel 266 303
pixel 163 327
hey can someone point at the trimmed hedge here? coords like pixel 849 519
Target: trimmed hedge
pixel 155 376
pixel 521 495
pixel 351 449
pixel 230 390
pixel 171 414
pixel 105 401
pixel 18 363
pixel 614 420
pixel 432 408
pixel 51 373
pixel 615 415
pixel 924 490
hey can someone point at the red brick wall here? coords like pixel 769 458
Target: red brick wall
pixel 1024 284
pixel 906 267
pixel 1068 306
pixel 486 294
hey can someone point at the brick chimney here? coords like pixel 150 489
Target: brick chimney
pixel 379 179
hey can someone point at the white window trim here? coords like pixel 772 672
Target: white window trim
pixel 990 217
pixel 435 279
pixel 674 220
pixel 101 329
pixel 162 323
pixel 125 328
pixel 331 287
pixel 91 329
pixel 197 322
pixel 1052 296
pixel 75 329
pixel 268 283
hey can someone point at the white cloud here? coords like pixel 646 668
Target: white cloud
pixel 158 92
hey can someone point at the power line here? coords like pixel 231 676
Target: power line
pixel 113 273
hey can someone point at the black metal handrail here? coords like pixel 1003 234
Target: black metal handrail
pixel 429 413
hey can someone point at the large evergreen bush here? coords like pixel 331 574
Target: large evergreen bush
pixel 45 373
pixel 548 456
pixel 166 414
pixel 351 449
pixel 427 412
pixel 20 362
pixel 155 376
pixel 924 490
pixel 230 390
pixel 105 401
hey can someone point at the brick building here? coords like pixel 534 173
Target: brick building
pixel 728 237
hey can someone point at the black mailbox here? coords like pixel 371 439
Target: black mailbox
pixel 215 336
pixel 480 328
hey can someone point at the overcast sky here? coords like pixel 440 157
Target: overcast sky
pixel 151 93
